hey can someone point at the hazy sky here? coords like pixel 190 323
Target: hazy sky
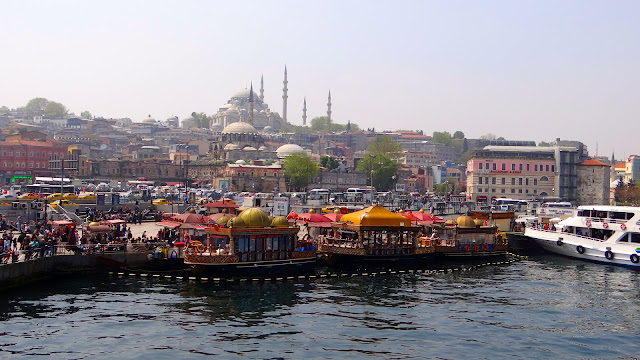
pixel 525 70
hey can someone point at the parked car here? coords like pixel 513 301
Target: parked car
pixel 29 196
pixel 161 202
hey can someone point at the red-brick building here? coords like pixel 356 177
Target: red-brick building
pixel 30 154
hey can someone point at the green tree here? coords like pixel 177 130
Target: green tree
pixel 385 145
pixel 449 186
pixel 299 170
pixel 86 115
pixel 36 104
pixel 329 162
pixel 55 109
pixel 296 129
pixel 458 135
pixel 202 120
pixel 488 136
pixel 544 143
pixel 4 109
pixel 382 170
pixel 324 124
pixel 443 137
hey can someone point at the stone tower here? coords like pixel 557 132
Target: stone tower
pixel 262 88
pixel 329 107
pixel 304 112
pixel 284 96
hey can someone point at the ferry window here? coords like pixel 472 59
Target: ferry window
pixel 635 237
pixel 243 244
pixel 259 243
pixel 252 245
pixel 283 243
pixel 504 166
pixel 624 238
pixel 275 243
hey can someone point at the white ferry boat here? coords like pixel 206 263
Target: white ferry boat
pixel 607 234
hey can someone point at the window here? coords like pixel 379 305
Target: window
pixel 546 168
pixel 519 181
pixel 513 167
pixel 493 190
pixel 504 166
pixel 526 182
pixel 486 180
pixel 24 153
pixel 513 191
pixel 37 165
pixel 513 181
pixel 519 191
pixel 553 168
pixel 535 191
pixel 502 191
pixel 480 166
pixel 503 181
pixel 494 166
pixel 544 178
pixel 30 153
pixel 535 182
pixel 487 166
pixel 535 168
pixel 4 164
pixel 493 180
pixel 480 181
pixel 527 167
pixel 24 165
pixel 10 153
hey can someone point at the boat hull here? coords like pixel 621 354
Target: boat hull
pixel 216 266
pixel 580 247
pixel 340 256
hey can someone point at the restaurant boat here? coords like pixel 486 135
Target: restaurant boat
pixel 466 237
pixel 250 243
pixel 374 235
pixel 601 233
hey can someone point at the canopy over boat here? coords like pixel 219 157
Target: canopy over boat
pixel 375 215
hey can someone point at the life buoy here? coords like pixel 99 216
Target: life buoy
pixel 588 223
pixel 476 248
pixel 466 248
pixel 634 258
pixel 605 225
pixel 559 242
pixel 485 247
pixel 580 249
pixel 623 227
pixel 608 254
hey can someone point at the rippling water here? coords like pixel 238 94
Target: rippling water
pixel 544 307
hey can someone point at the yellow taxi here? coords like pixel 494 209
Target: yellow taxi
pixel 87 196
pixel 54 196
pixel 28 196
pixel 69 196
pixel 161 202
pixel 64 203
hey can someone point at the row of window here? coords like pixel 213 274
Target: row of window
pixel 504 191
pixel 31 154
pixel 503 167
pixel 9 165
pixel 503 181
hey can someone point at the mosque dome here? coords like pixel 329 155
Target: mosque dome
pixel 149 120
pixel 465 221
pixel 240 162
pixel 239 127
pixel 216 127
pixel 288 149
pixel 267 129
pixel 244 93
pixel 280 221
pixel 254 217
pixel 188 122
pixel 230 146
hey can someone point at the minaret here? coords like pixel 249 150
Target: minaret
pixel 329 107
pixel 251 105
pixel 284 96
pixel 262 88
pixel 613 159
pixel 304 112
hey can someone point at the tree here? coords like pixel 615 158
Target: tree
pixel 448 187
pixel 385 145
pixel 443 137
pixel 488 136
pixel 544 143
pixel 4 109
pixel 627 193
pixel 86 115
pixel 299 170
pixel 458 135
pixel 324 124
pixel 202 120
pixel 36 104
pixel 381 169
pixel 55 109
pixel 329 162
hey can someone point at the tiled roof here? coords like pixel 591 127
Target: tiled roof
pixel 592 162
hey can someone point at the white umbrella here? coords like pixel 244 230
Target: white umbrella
pixel 555 219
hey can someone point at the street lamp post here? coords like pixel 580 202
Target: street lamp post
pixel 186 177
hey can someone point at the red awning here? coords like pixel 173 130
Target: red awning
pixel 169 224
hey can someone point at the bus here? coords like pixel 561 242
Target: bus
pixel 321 195
pixel 360 195
pixel 510 204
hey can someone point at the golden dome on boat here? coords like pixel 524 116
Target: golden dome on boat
pixel 236 222
pixel 401 211
pixel 95 223
pixel 222 220
pixel 375 215
pixel 311 211
pixel 336 211
pixel 465 221
pixel 280 221
pixel 478 222
pixel 255 217
pixel 421 211
pixel 450 222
